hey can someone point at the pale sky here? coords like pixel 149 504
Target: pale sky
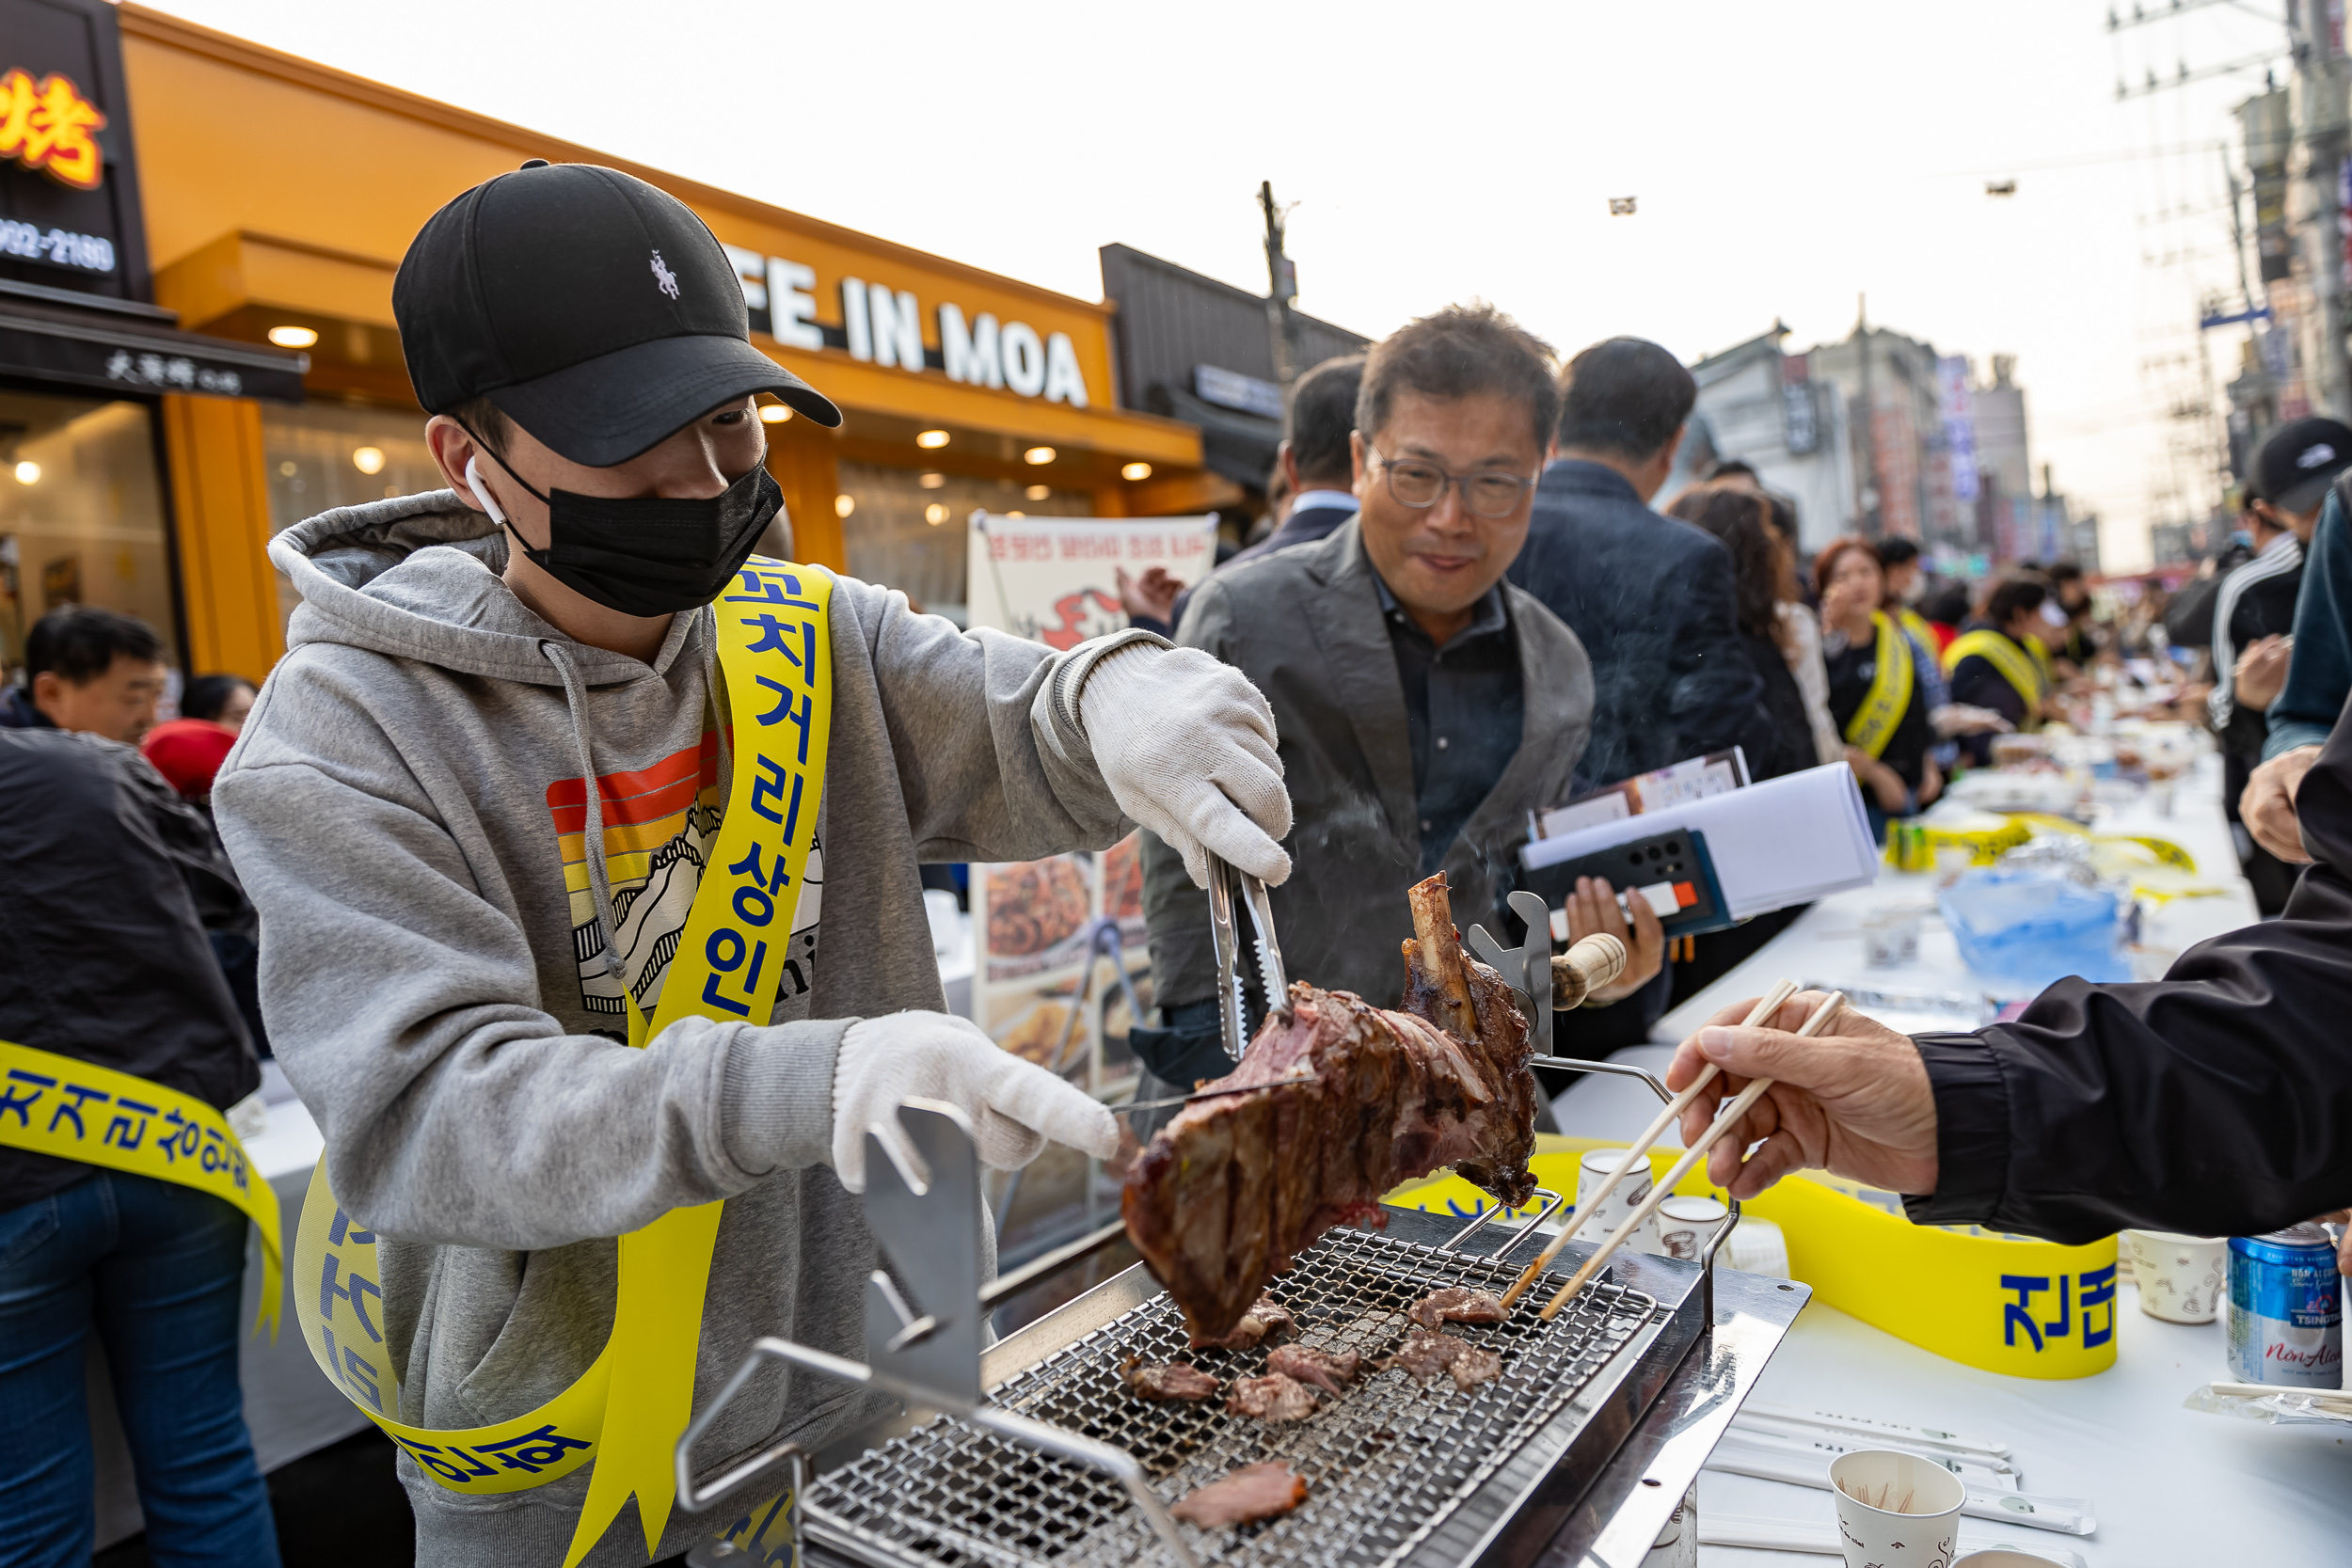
pixel 1787 155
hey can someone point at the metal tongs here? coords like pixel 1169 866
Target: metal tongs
pixel 1232 1023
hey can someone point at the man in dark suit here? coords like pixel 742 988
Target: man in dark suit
pixel 1425 705
pixel 1315 460
pixel 1649 597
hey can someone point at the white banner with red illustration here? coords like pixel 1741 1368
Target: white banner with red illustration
pixel 1055 580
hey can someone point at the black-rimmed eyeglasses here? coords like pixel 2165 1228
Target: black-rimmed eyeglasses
pixel 1421 485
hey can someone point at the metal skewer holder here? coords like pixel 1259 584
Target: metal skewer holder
pixel 926 1214
pixel 1527 970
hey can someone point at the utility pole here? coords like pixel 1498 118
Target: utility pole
pixel 1872 525
pixel 2267 396
pixel 1282 274
pixel 2319 122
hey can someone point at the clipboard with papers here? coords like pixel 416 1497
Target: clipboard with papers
pixel 1786 840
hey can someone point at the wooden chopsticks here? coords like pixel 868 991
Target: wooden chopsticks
pixel 1724 1120
pixel 1764 1009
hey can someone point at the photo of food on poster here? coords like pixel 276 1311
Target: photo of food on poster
pixel 1044 926
pixel 1055 580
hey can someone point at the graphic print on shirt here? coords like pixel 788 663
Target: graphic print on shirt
pixel 658 825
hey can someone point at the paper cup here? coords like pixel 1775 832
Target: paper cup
pixel 1685 1225
pixel 2181 1279
pixel 2001 1557
pixel 1598 1226
pixel 1896 1510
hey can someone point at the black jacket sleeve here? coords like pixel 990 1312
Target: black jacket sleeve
pixel 2218 1101
pixel 1716 700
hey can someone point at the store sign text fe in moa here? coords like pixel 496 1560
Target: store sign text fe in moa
pixel 885 327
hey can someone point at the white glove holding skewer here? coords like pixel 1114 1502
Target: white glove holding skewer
pixel 1185 746
pixel 1015 1107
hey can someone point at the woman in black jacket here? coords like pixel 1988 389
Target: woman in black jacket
pixel 1741 519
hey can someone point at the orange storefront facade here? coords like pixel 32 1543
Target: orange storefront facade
pixel 960 389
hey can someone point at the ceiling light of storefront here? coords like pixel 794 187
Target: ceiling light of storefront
pixel 935 514
pixel 1038 456
pixel 931 440
pixel 930 481
pixel 774 413
pixel 28 472
pixel 1039 492
pixel 368 460
pixel 844 505
pixel 293 336
pixel 1135 470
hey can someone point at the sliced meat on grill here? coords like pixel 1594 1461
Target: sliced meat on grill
pixel 1350 1101
pixel 1328 1371
pixel 1271 1397
pixel 1168 1380
pixel 1265 1320
pixel 1252 1492
pixel 1457 1303
pixel 1424 1354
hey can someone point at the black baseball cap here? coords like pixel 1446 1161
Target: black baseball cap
pixel 593 310
pixel 2299 461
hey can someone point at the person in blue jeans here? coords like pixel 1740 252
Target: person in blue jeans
pixel 157 1270
pixel 104 957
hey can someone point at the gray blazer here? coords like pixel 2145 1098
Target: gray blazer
pixel 1305 625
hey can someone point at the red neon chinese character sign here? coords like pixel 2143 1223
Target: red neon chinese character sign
pixel 48 127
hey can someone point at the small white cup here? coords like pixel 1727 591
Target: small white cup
pixel 1686 1224
pixel 1598 1224
pixel 1911 1517
pixel 2181 1279
pixel 2001 1557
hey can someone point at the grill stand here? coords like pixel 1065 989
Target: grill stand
pixel 1658 1424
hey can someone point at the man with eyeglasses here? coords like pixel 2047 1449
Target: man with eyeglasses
pixel 1425 705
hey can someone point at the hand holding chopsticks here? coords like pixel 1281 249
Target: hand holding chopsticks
pixel 1726 1119
pixel 1761 1013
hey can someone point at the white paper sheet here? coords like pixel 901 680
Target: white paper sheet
pixel 1786 840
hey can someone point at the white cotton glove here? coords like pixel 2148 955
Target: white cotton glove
pixel 1185 745
pixel 1014 1107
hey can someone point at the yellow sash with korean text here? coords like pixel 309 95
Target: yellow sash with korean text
pixel 76 1110
pixel 2027 671
pixel 623 1413
pixel 1880 715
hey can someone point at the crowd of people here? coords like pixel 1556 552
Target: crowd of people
pixel 471 815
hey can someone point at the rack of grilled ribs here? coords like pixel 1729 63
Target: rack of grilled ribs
pixel 1235 1188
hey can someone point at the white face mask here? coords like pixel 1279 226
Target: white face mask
pixel 2053 613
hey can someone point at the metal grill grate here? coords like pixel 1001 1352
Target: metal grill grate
pixel 1385 1464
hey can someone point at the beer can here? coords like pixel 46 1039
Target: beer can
pixel 2286 1309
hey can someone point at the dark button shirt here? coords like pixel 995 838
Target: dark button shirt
pixel 1463 711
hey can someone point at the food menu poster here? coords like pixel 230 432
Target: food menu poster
pixel 1055 580
pixel 1036 923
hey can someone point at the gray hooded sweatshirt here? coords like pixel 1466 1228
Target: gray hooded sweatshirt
pixel 408 811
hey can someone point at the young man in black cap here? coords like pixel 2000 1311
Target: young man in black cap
pixel 2253 621
pixel 553 765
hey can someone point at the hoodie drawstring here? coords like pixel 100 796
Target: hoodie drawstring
pixel 599 878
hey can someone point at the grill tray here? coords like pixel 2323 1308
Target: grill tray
pixel 1386 1464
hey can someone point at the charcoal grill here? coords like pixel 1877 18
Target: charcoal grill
pixel 1040 1457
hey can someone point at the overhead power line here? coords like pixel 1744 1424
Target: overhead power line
pixel 2185 75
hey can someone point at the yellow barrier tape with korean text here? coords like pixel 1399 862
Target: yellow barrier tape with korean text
pixel 76 1110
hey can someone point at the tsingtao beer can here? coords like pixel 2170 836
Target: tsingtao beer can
pixel 2286 1309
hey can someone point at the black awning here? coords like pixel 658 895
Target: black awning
pixel 1242 446
pixel 115 350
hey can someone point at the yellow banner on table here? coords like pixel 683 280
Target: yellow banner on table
pixel 625 1410
pixel 76 1110
pixel 2005 1304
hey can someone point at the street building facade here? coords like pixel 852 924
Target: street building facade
pixel 232 366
